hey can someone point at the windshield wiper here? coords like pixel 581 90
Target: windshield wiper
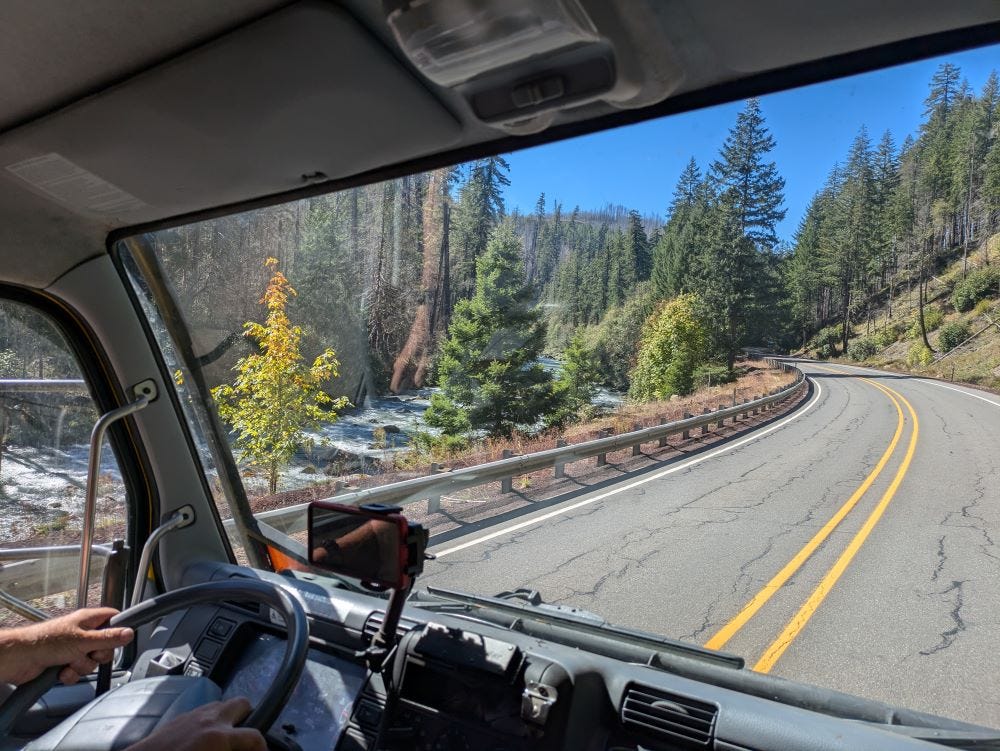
pixel 579 622
pixel 973 739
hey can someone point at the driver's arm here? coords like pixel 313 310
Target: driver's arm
pixel 74 640
pixel 77 641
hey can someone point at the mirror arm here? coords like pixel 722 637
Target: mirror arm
pixel 182 517
pixel 90 505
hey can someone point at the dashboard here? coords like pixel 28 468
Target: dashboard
pixel 321 705
pixel 459 681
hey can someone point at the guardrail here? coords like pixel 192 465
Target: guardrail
pixel 430 488
pixel 31 573
pixel 35 572
pixel 74 387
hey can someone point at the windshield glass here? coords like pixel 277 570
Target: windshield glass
pixel 825 522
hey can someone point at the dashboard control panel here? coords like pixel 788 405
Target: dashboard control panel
pixel 461 690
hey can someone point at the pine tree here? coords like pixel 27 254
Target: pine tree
pixel 755 186
pixel 851 230
pixel 679 241
pixel 728 277
pixel 480 208
pixel 574 387
pixel 639 248
pixel 276 397
pixel 487 368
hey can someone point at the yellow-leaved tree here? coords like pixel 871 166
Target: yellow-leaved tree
pixel 276 397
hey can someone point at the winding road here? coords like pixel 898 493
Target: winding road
pixel 854 544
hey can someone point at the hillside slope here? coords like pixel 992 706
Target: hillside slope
pixel 891 338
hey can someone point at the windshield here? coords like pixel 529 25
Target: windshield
pixel 731 268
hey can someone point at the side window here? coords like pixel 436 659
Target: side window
pixel 46 415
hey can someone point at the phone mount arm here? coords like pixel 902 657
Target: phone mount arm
pixel 384 640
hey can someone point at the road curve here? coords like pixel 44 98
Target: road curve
pixel 852 544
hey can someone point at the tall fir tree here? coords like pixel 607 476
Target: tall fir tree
pixel 488 369
pixel 480 208
pixel 756 188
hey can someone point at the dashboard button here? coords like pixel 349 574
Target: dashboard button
pixel 207 650
pixel 221 627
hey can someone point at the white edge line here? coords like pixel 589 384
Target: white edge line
pixel 932 382
pixel 650 478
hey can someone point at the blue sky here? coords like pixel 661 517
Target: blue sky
pixel 637 166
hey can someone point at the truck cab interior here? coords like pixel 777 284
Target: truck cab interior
pixel 120 120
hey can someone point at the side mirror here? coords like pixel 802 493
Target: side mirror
pixel 370 543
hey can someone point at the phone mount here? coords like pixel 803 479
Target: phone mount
pixel 411 566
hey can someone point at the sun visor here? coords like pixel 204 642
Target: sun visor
pixel 302 95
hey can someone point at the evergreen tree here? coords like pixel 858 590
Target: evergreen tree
pixel 639 248
pixel 729 278
pixel 755 187
pixel 851 229
pixel 488 370
pixel 680 239
pixel 574 387
pixel 480 208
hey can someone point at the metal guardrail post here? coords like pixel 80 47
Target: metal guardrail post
pixel 704 428
pixel 506 483
pixel 434 501
pixel 637 448
pixel 722 420
pixel 663 439
pixel 602 459
pixel 559 467
pixel 686 435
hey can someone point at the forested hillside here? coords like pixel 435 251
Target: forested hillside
pixel 887 218
pixel 405 280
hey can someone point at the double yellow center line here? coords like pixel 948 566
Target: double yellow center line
pixel 808 609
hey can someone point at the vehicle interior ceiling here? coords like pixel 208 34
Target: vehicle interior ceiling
pixel 118 117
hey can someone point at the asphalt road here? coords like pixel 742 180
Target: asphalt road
pixel 854 543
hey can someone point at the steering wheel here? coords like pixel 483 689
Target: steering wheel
pixel 281 686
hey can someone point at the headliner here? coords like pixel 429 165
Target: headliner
pixel 184 106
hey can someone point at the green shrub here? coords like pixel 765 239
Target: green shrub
pixel 673 343
pixel 919 355
pixel 933 318
pixel 952 334
pixel 982 307
pixel 885 338
pixel 711 374
pixel 862 349
pixel 975 287
pixel 827 340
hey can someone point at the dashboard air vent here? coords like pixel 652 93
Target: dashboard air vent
pixel 672 718
pixel 374 623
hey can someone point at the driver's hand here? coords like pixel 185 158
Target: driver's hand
pixel 208 728
pixel 74 640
